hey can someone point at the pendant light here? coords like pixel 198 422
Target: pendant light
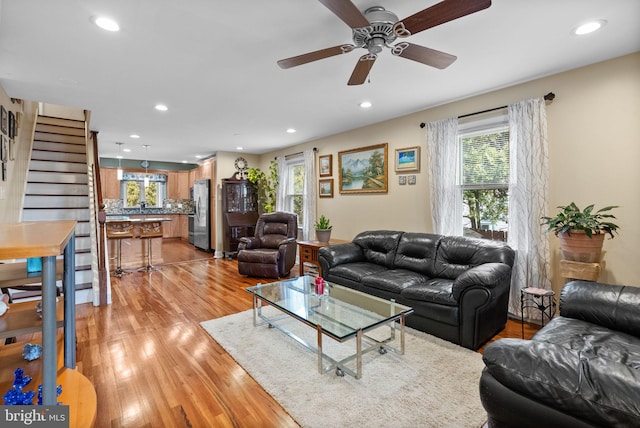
pixel 146 164
pixel 119 172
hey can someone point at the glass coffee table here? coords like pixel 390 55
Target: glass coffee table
pixel 341 314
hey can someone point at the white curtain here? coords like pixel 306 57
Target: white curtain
pixel 528 189
pixel 310 198
pixel 281 192
pixel 446 198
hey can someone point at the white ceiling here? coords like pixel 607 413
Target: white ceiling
pixel 214 64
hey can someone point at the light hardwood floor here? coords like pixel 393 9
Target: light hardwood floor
pixel 152 364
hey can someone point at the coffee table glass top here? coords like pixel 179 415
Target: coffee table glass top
pixel 340 313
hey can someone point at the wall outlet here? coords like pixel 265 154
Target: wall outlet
pixel 168 205
pixel 179 205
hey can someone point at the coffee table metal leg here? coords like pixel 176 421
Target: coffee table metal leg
pixel 320 367
pixel 402 334
pixel 359 354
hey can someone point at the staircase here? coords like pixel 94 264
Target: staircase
pixel 57 189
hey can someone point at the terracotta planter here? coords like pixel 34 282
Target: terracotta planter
pixel 323 235
pixel 578 247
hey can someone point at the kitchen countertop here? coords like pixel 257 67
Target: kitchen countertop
pixel 119 218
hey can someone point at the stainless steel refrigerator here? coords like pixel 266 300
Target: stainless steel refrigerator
pixel 202 216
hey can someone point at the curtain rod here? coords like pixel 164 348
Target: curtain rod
pixel 549 97
pixel 315 149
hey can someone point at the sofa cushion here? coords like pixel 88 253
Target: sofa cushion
pixel 417 252
pixel 436 290
pixel 457 254
pixel 356 271
pixel 593 387
pixel 393 280
pixel 379 246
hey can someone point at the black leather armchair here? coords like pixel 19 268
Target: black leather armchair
pixel 271 253
pixel 581 370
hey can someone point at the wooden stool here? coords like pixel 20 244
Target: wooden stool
pixel 119 231
pixel 150 230
pixel 540 299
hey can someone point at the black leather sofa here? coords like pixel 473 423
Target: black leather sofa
pixel 457 286
pixel 580 370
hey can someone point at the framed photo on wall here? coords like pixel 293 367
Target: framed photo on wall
pixel 12 125
pixel 325 188
pixel 364 170
pixel 3 120
pixel 408 160
pixel 326 165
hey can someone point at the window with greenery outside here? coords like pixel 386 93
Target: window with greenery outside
pixel 485 182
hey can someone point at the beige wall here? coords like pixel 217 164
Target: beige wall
pixel 12 189
pixel 594 157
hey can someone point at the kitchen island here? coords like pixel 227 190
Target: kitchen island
pixel 134 249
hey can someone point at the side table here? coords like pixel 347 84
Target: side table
pixel 538 298
pixel 309 252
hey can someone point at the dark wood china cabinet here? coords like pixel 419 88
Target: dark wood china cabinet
pixel 239 212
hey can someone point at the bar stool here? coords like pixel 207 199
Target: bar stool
pixel 148 231
pixel 118 231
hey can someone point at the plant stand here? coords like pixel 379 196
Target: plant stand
pixel 579 270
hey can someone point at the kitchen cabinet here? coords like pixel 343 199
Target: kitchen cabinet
pixel 172 185
pixel 184 226
pixel 183 185
pixel 110 183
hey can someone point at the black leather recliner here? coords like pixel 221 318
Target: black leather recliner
pixel 271 253
pixel 580 370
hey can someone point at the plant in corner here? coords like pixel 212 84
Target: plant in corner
pixel 581 232
pixel 267 185
pixel 323 229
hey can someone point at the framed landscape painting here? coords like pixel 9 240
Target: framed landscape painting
pixel 363 170
pixel 326 188
pixel 326 166
pixel 408 160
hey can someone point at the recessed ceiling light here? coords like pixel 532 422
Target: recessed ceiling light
pixel 589 27
pixel 239 148
pixel 134 136
pixel 184 161
pixel 106 23
pixel 365 104
pixel 198 157
pixel 119 157
pixel 291 130
pixel 161 107
pixel 126 150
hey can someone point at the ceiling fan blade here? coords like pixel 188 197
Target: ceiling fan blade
pixel 362 69
pixel 315 56
pixel 423 55
pixel 347 11
pixel 439 13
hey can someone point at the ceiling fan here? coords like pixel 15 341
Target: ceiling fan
pixel 377 28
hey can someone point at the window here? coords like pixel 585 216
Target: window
pixel 135 192
pixel 484 180
pixel 294 198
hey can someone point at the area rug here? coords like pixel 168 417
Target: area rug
pixel 434 384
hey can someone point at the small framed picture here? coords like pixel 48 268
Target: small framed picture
pixel 326 188
pixel 326 165
pixel 408 159
pixel 402 180
pixel 411 179
pixel 4 152
pixel 12 125
pixel 3 120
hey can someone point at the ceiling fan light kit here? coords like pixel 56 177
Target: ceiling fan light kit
pixel 377 28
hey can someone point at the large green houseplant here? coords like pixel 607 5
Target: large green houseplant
pixel 581 232
pixel 267 186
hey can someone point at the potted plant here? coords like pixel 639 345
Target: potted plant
pixel 581 232
pixel 267 185
pixel 323 229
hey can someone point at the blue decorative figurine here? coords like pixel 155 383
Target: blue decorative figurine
pixel 31 352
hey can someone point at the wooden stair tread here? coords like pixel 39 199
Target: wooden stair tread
pixel 77 391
